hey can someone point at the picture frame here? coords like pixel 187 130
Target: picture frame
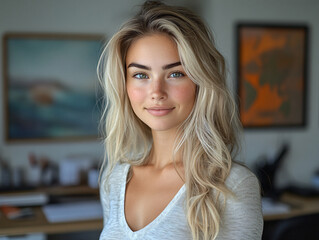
pixel 272 75
pixel 51 89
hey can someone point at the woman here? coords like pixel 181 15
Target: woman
pixel 171 135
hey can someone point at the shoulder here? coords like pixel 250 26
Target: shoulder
pixel 242 216
pixel 245 188
pixel 240 175
pixel 119 170
pixel 116 174
pixel 110 185
pixel 112 179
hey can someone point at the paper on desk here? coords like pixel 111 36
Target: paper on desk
pixel 77 211
pixel 270 207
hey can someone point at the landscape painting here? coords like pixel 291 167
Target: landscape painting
pixel 51 86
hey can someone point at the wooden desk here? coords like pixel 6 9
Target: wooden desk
pixel 39 223
pixel 299 206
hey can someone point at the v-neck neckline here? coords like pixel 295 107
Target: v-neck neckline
pixel 157 219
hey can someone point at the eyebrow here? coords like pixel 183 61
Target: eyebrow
pixel 168 66
pixel 138 66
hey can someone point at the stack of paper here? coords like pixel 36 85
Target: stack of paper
pixel 77 211
pixel 270 207
pixel 23 199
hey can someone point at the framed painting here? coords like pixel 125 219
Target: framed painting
pixel 272 75
pixel 50 86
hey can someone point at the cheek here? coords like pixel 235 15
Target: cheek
pixel 135 95
pixel 185 94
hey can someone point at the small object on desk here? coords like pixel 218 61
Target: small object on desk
pixel 93 178
pixel 16 213
pixel 17 177
pixel 77 211
pixel 270 207
pixel 34 175
pixel 315 180
pixel 5 174
pixel 71 169
pixel 33 236
pixel 266 172
pixel 23 199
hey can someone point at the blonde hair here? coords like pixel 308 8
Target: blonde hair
pixel 207 138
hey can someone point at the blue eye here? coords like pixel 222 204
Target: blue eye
pixel 176 75
pixel 140 76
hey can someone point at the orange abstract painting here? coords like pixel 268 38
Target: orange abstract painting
pixel 271 75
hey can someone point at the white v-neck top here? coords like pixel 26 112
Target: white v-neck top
pixel 242 218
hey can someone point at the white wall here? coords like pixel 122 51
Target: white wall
pixel 222 15
pixel 105 16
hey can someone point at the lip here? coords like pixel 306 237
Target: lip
pixel 159 111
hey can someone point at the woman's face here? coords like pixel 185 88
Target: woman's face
pixel 160 92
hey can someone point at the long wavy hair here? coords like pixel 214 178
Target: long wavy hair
pixel 208 138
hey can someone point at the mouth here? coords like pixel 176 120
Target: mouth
pixel 159 111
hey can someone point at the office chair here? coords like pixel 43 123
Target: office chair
pixel 304 227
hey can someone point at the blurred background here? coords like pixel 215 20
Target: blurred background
pixel 285 157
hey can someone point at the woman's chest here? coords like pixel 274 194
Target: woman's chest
pixel 147 196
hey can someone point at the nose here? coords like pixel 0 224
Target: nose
pixel 158 90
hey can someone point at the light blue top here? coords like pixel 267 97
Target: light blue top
pixel 241 219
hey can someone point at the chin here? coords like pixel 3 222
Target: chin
pixel 163 128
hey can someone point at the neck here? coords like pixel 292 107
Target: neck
pixel 163 148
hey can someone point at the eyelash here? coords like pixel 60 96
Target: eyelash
pixel 177 72
pixel 139 75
